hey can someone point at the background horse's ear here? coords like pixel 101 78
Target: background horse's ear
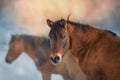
pixel 17 37
pixel 50 23
pixel 11 35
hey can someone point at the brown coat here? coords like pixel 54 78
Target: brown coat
pixel 96 50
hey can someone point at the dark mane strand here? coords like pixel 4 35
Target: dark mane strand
pixel 35 41
pixel 29 40
pixel 114 34
pixel 84 27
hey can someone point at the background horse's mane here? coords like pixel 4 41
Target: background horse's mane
pixel 32 40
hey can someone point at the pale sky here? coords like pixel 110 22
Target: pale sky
pixel 33 13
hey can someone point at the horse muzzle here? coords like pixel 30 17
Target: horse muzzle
pixel 56 59
pixel 8 60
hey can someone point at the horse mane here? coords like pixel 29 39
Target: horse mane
pixel 112 33
pixel 32 40
pixel 35 40
pixel 29 40
pixel 84 27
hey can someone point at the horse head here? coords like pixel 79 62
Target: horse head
pixel 15 48
pixel 59 39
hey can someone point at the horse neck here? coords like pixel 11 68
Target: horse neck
pixel 29 51
pixel 82 40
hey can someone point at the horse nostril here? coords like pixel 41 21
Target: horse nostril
pixel 52 58
pixel 57 58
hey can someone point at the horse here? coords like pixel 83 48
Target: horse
pixel 38 48
pixel 97 51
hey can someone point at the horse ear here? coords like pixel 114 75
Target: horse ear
pixel 62 23
pixel 17 36
pixel 50 23
pixel 11 35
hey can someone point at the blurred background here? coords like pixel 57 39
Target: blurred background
pixel 29 17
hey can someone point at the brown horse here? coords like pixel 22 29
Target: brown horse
pixel 38 48
pixel 96 50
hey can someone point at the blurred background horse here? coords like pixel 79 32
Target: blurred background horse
pixel 38 48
